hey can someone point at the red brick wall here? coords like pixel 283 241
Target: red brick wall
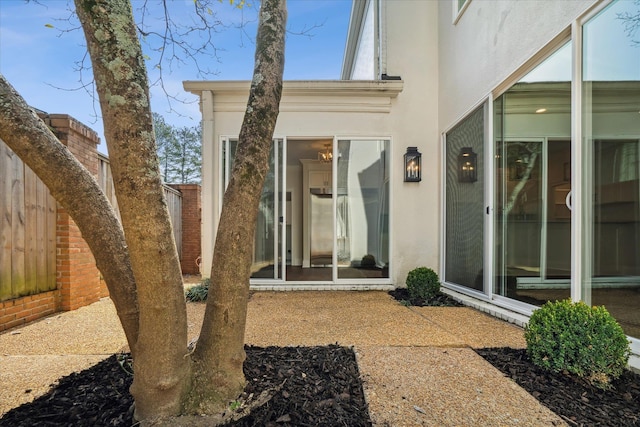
pixel 78 277
pixel 191 220
pixel 26 309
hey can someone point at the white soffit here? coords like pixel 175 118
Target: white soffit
pixel 307 96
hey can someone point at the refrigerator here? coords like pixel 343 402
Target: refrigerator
pixel 321 229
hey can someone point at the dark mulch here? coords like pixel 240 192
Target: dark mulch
pixel 441 300
pixel 315 386
pixel 578 403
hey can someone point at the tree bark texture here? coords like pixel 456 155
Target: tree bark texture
pixel 78 192
pixel 161 366
pixel 219 354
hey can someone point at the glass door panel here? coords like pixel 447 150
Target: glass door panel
pixel 533 184
pixel 310 205
pixel 362 209
pixel 267 249
pixel 611 165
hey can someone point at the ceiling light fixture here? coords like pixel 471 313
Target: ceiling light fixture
pixel 326 155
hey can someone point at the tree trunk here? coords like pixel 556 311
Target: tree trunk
pixel 217 361
pixel 78 192
pixel 160 366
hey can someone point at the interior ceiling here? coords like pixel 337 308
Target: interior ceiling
pixel 305 149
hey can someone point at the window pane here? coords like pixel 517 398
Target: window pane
pixel 533 179
pixel 362 209
pixel 611 138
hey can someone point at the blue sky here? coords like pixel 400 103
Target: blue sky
pixel 40 62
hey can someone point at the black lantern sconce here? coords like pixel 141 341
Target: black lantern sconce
pixel 467 165
pixel 412 165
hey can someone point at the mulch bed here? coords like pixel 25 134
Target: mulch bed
pixel 315 386
pixel 441 300
pixel 571 398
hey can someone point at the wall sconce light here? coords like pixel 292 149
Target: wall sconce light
pixel 412 165
pixel 467 165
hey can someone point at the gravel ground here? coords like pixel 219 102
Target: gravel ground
pixel 443 387
pixel 416 363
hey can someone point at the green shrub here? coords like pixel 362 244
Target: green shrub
pixel 573 337
pixel 423 283
pixel 199 292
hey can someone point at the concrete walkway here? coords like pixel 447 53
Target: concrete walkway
pixel 417 364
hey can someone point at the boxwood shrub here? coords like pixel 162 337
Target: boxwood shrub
pixel 423 283
pixel 574 337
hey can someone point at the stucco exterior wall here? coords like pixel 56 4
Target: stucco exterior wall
pixel 307 113
pixel 490 41
pixel 414 57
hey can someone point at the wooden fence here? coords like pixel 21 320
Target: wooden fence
pixel 27 230
pixel 28 225
pixel 174 198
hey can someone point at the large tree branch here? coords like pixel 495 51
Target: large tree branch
pixel 219 354
pixel 76 190
pixel 160 366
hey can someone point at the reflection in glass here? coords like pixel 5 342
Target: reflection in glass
pixel 532 125
pixel 362 209
pixel 611 138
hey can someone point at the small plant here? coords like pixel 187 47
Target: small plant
pixel 235 405
pixel 423 283
pixel 199 292
pixel 573 337
pixel 126 362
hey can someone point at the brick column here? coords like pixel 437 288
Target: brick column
pixel 78 278
pixel 191 220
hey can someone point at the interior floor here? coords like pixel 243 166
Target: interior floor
pixel 323 274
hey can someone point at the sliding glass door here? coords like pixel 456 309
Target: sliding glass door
pixel 565 168
pixel 323 215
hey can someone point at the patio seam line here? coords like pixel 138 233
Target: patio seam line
pixel 440 326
